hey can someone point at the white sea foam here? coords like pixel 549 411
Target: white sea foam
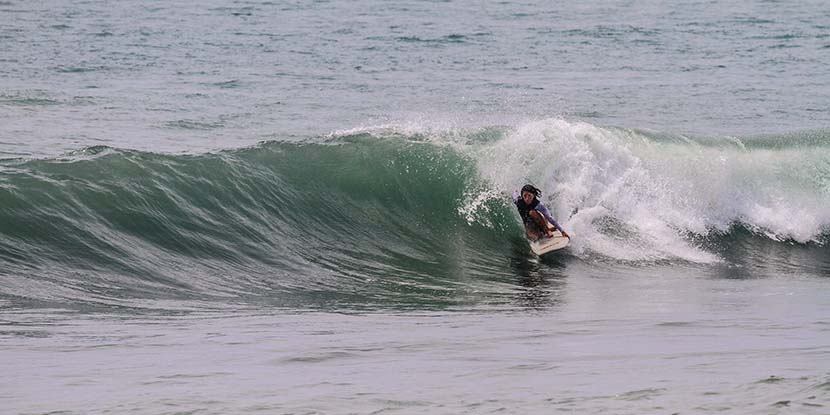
pixel 629 196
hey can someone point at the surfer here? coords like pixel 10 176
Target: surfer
pixel 534 214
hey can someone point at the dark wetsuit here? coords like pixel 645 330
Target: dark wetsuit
pixel 524 212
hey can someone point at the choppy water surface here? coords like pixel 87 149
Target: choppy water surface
pixel 183 76
pixel 303 207
pixel 581 342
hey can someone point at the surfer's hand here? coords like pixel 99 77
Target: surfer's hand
pixel 550 233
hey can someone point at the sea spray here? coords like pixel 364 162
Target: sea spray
pixel 639 195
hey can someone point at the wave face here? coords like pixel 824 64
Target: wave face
pixel 352 220
pixel 407 216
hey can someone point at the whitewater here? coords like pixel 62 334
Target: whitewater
pixel 304 207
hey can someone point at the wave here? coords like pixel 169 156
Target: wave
pixel 407 215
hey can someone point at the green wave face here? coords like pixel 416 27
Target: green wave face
pixel 360 220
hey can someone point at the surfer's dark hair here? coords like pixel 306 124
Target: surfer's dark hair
pixel 531 189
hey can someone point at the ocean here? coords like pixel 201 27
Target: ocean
pixel 304 207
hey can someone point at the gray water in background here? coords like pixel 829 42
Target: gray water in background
pixel 193 76
pixel 564 334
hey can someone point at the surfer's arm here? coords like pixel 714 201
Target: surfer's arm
pixel 546 213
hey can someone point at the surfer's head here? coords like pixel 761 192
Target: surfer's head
pixel 529 193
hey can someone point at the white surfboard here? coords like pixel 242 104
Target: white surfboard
pixel 545 245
